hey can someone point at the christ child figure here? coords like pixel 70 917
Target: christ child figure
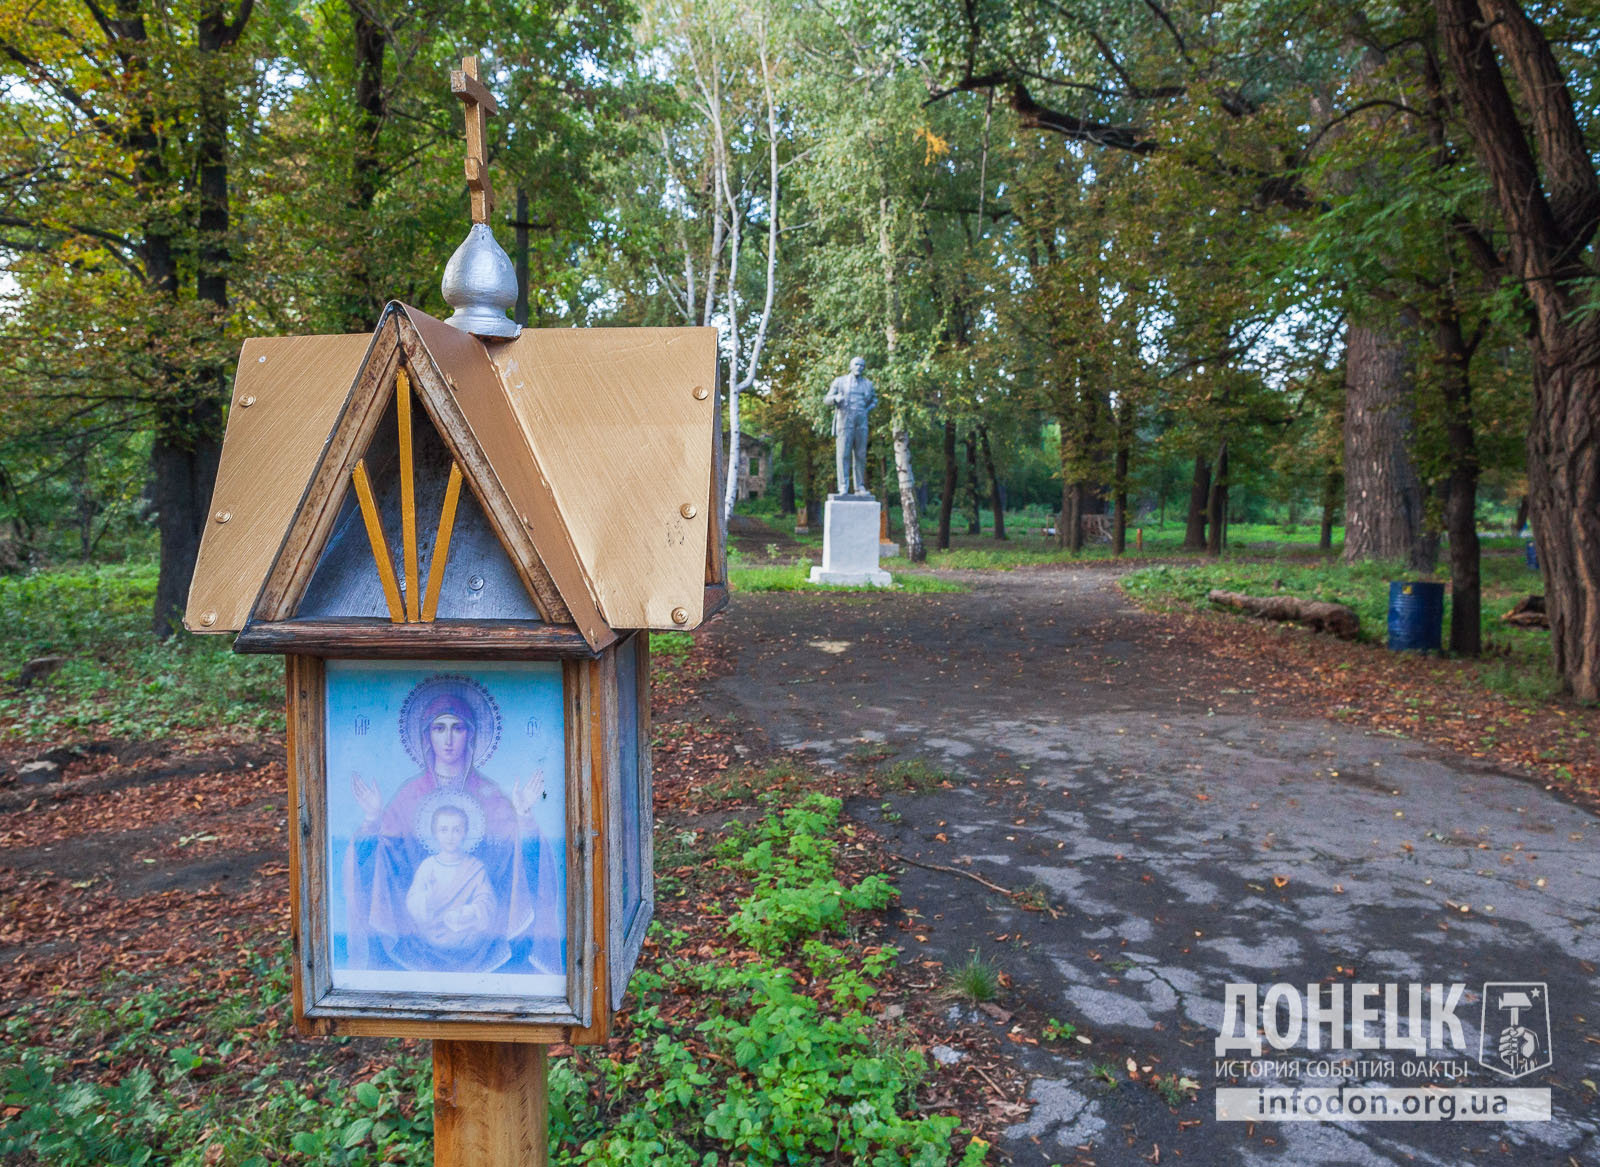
pixel 450 897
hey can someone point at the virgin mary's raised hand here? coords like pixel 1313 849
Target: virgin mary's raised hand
pixel 527 794
pixel 366 796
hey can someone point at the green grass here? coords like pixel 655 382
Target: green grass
pixel 976 981
pixel 674 646
pixel 796 577
pixel 763 1051
pixel 1517 663
pixel 118 679
pixel 1027 548
pixel 915 775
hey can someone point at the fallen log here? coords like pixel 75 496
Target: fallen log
pixel 1529 613
pixel 1318 615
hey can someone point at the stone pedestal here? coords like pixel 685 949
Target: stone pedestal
pixel 850 542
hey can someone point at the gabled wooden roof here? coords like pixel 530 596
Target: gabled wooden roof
pixel 591 452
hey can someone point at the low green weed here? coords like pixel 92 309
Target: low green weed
pixel 789 856
pixel 976 981
pixel 767 1058
pixel 673 646
pixel 1517 663
pixel 1059 1030
pixel 749 782
pixel 796 577
pixel 914 774
pixel 117 678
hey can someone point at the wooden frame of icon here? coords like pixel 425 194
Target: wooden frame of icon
pixel 449 871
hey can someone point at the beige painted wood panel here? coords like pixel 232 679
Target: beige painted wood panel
pixel 295 387
pixel 617 426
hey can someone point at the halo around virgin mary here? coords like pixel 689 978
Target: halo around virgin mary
pixel 448 876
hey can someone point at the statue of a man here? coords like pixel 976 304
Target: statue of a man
pixel 852 397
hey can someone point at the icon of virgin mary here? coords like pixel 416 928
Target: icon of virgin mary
pixel 451 875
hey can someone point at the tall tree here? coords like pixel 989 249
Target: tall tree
pixel 1519 107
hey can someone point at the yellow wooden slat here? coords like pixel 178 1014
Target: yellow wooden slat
pixel 441 543
pixel 408 494
pixel 380 546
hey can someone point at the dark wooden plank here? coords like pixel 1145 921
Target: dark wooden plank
pixel 307 792
pixel 716 600
pixel 378 639
pixel 593 728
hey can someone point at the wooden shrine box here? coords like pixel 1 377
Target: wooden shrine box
pixel 468 669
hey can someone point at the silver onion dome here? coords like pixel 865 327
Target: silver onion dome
pixel 481 285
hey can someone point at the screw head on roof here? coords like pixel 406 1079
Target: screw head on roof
pixel 224 516
pixel 247 401
pixel 687 510
pixel 207 619
pixel 680 615
pixel 700 393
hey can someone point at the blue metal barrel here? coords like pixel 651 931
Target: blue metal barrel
pixel 1416 616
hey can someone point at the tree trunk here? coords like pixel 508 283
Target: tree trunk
pixel 1332 483
pixel 786 495
pixel 519 255
pixel 1383 510
pixel 1564 498
pixel 1541 169
pixel 910 512
pixel 370 42
pixel 975 520
pixel 183 462
pixel 188 438
pixel 87 507
pixel 947 499
pixel 1119 510
pixel 1194 530
pixel 1217 505
pixel 1461 492
pixel 808 471
pixel 1072 515
pixel 997 497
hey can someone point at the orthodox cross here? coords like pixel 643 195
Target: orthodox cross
pixel 480 104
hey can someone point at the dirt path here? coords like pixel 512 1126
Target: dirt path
pixel 1185 836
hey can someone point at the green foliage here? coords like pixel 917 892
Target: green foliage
pixel 759 1071
pixel 789 856
pixel 914 774
pixel 116 679
pixel 1059 1030
pixel 674 646
pixel 797 578
pixel 1519 663
pixel 976 980
pixel 775 779
pixel 166 1109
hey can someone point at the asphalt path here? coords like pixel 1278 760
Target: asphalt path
pixel 1184 836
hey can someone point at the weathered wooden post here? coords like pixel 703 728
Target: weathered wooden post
pixel 459 535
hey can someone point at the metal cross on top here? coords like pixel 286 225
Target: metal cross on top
pixel 480 105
